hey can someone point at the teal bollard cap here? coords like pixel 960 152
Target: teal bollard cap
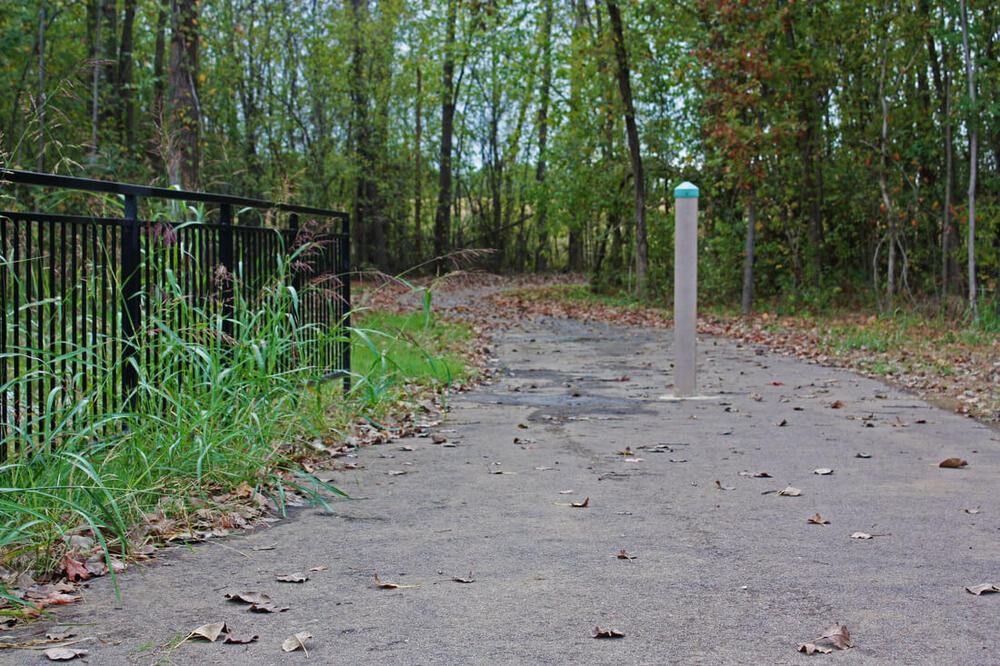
pixel 686 190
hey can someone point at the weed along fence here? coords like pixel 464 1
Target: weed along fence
pixel 101 290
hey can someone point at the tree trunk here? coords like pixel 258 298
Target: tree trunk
pixel 184 162
pixel 156 152
pixel 970 71
pixel 418 172
pixel 632 133
pixel 748 255
pixel 883 185
pixel 442 217
pixel 541 221
pixel 40 164
pixel 125 76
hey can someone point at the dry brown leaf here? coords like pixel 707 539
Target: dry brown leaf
pixel 468 579
pixel 208 631
pixel 810 648
pixel 64 653
pixel 819 520
pixel 522 426
pixel 439 439
pixel 581 505
pixel 781 423
pixel 953 463
pixel 266 608
pixel 391 586
pixel 319 568
pixel 239 639
pixel 249 597
pixel 74 568
pixel 625 556
pixel 837 404
pixel 296 642
pixel 982 588
pixel 59 634
pixel 606 633
pixel 790 491
pixel 838 636
pixel 862 455
pixel 291 578
pixel 823 471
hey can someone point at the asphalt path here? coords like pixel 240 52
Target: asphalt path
pixel 726 570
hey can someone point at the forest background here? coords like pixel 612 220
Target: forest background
pixel 846 151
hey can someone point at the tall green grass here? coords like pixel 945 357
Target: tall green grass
pixel 218 404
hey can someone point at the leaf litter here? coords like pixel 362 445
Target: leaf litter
pixel 386 585
pixel 818 520
pixel 836 636
pixel 296 641
pixel 606 633
pixel 982 588
pixel 953 463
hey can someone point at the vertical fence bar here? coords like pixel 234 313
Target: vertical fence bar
pixel 227 262
pixel 345 293
pixel 131 298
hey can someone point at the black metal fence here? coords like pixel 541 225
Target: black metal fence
pixel 80 291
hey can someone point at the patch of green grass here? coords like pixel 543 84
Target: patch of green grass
pixel 218 406
pixel 409 347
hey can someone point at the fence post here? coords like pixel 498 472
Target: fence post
pixel 228 283
pixel 685 288
pixel 344 263
pixel 131 298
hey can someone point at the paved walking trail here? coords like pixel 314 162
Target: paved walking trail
pixel 724 572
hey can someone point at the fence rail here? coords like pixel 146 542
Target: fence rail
pixel 80 291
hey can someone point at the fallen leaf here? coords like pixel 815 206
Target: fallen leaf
pixel 626 452
pixel 790 492
pixel 633 460
pixel 838 635
pixel 777 383
pixel 266 608
pixel 823 471
pixel 983 588
pixel 625 556
pixel 972 511
pixel 810 648
pixel 406 447
pixel 953 463
pixel 59 634
pixel 900 423
pixel 209 631
pixel 469 579
pixel 248 597
pixel 606 633
pixel 581 505
pixel 291 578
pixel 74 568
pixel 239 639
pixel 836 405
pixel 439 439
pixel 565 492
pixel 861 535
pixel 522 426
pixel 722 487
pixel 397 472
pixel 781 423
pixel 391 586
pixel 862 455
pixel 819 520
pixel 64 653
pixel 319 568
pixel 296 642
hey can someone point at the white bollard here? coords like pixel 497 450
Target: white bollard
pixel 685 288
